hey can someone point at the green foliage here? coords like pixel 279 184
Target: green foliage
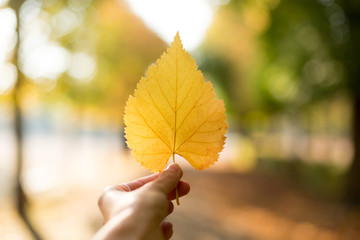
pixel 300 63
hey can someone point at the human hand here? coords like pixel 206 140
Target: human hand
pixel 136 210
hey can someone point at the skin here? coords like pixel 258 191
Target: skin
pixel 136 210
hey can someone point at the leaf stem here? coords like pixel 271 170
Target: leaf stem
pixel 175 127
pixel 176 190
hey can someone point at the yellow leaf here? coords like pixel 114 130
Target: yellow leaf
pixel 174 111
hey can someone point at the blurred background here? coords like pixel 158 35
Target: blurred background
pixel 288 71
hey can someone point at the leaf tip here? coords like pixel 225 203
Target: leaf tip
pixel 177 40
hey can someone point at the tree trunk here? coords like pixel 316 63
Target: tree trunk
pixel 21 200
pixel 353 177
pixel 351 59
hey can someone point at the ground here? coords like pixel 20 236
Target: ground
pixel 229 205
pixel 222 205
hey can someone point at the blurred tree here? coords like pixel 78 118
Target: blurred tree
pixel 21 200
pixel 286 55
pixel 311 53
pixel 125 50
pixel 230 53
pixel 90 54
pixel 351 59
pixel 122 47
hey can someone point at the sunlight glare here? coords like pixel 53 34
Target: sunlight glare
pixel 41 58
pixel 82 67
pixel 29 11
pixel 7 33
pixel 8 75
pixel 166 17
pixel 8 39
pixel 3 2
pixel 65 21
pixel 47 61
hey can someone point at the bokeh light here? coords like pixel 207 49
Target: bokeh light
pixel 82 67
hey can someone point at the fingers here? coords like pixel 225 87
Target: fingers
pixel 165 182
pixel 183 188
pixel 130 186
pixel 167 229
pixel 170 207
pixel 168 179
pixel 133 185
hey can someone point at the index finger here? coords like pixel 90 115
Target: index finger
pixel 133 185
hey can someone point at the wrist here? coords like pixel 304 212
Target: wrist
pixel 123 225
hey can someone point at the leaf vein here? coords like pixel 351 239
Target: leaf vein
pixel 208 131
pixel 142 136
pixel 157 108
pixel 167 100
pixel 157 153
pixel 167 62
pixel 199 154
pixel 202 93
pixel 197 129
pixel 135 123
pixel 153 129
pixel 204 141
pixel 192 83
pixel 184 78
pixel 167 79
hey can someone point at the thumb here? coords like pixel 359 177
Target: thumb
pixel 168 179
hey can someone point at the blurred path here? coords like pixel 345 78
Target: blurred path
pixel 228 205
pixel 222 205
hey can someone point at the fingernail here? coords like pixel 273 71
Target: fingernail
pixel 173 167
pixel 168 166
